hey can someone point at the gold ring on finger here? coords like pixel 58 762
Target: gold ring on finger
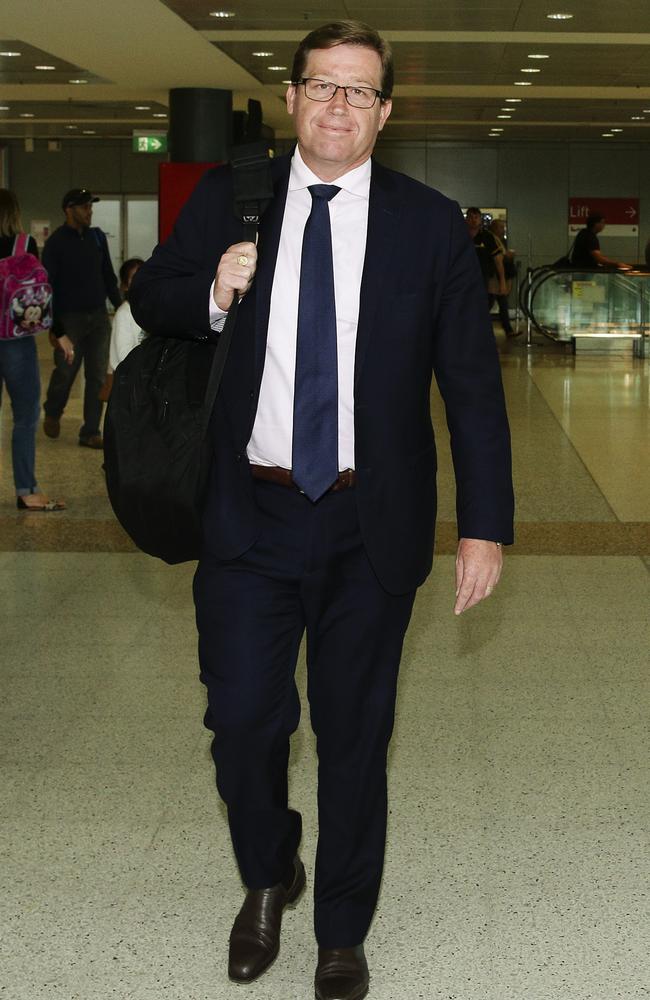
pixel 242 259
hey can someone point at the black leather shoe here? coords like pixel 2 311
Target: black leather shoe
pixel 341 974
pixel 255 935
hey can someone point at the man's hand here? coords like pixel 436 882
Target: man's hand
pixel 65 344
pixel 235 273
pixel 478 568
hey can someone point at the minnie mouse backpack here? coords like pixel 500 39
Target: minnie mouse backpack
pixel 25 294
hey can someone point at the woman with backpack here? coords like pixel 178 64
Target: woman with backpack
pixel 18 357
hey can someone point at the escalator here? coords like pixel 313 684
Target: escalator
pixel 597 310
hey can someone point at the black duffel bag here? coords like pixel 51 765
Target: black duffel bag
pixel 157 450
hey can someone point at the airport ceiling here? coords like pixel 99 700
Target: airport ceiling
pixel 465 69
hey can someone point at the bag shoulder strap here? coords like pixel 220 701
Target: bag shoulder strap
pixel 20 244
pixel 218 364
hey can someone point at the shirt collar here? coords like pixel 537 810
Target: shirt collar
pixel 356 181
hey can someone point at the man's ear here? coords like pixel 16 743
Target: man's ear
pixel 384 111
pixel 291 97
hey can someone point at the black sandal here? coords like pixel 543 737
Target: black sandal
pixel 43 508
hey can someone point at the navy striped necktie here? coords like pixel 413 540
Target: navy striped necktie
pixel 315 463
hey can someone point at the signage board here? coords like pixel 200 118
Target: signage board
pixel 149 142
pixel 621 215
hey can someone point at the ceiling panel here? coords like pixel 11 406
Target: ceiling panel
pixel 583 88
pixel 461 15
pixel 21 66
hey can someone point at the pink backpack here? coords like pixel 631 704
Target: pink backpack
pixel 25 293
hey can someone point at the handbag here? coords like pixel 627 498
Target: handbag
pixel 562 263
pixel 157 446
pixel 157 450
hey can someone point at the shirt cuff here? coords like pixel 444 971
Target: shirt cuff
pixel 217 315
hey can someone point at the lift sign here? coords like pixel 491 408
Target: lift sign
pixel 621 214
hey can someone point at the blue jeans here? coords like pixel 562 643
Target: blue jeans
pixel 19 371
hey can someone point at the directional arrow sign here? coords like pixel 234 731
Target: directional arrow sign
pixel 149 142
pixel 621 215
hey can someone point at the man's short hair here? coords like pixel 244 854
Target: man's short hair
pixel 594 219
pixel 473 210
pixel 346 33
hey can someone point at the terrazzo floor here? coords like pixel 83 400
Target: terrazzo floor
pixel 517 861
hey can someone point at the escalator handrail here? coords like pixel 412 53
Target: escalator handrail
pixel 536 277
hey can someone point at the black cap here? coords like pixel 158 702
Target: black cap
pixel 78 196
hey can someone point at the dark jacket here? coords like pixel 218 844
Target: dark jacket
pixel 422 310
pixel 80 270
pixel 7 246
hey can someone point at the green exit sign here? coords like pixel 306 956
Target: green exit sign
pixel 151 142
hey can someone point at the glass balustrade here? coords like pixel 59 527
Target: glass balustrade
pixel 567 305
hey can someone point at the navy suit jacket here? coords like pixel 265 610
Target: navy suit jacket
pixel 422 311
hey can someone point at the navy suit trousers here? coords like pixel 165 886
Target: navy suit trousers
pixel 307 572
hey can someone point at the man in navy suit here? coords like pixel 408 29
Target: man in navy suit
pixel 321 510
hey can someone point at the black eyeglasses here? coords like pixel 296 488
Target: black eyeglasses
pixel 321 90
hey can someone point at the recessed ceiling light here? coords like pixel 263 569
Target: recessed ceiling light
pixel 561 16
pixel 143 107
pixel 538 55
pixel 263 54
pixel 646 111
pixel 11 55
pixel 608 135
pixel 159 114
pixel 26 114
pixel 504 116
pixel 222 13
pixel 523 83
pixel 89 131
pixel 495 129
pixel 513 100
pixel 637 118
pixel 617 130
pixel 277 67
pixel 287 81
pixel 530 69
pixel 77 81
pixel 4 107
pixel 44 67
pixel 508 109
pixel 72 126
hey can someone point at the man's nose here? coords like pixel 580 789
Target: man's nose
pixel 339 102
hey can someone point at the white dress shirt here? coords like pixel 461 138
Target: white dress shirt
pixel 271 440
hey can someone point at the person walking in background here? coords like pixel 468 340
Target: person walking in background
pixel 586 250
pixel 125 332
pixel 20 374
pixel 320 513
pixel 490 257
pixel 498 232
pixel 81 273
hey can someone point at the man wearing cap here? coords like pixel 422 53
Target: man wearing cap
pixel 78 262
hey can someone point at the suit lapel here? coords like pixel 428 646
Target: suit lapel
pixel 383 213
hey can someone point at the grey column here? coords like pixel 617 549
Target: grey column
pixel 200 124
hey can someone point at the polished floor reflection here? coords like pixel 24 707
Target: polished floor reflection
pixel 518 842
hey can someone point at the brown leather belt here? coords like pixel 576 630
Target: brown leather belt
pixel 282 477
